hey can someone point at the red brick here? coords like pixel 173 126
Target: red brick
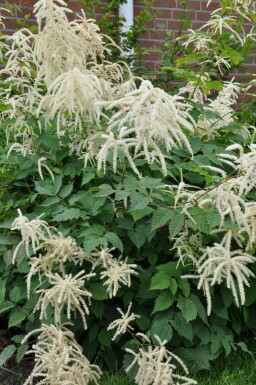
pixel 211 7
pixel 174 24
pixel 203 16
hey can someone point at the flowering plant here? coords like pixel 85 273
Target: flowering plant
pixel 128 196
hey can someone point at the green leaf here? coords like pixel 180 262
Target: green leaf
pixel 87 177
pixel 137 238
pixel 67 215
pixel 15 294
pixel 6 353
pixel 114 239
pixel 244 348
pixel 199 307
pixel 21 351
pixel 104 337
pixel 161 217
pixel 163 301
pixel 159 281
pixel 2 289
pixel 16 317
pixel 173 286
pixel 98 291
pixel 45 187
pixel 8 239
pixel 171 269
pixel 93 332
pixel 200 221
pixel 213 219
pixel 201 355
pixel 183 328
pixel 139 214
pixel 50 201
pixel 161 326
pixel 6 305
pixel 139 201
pixel 188 308
pixel 184 286
pixel 65 190
pixel 176 224
pixel 18 338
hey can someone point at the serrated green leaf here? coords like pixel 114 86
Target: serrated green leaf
pixel 137 238
pixel 114 239
pixel 87 177
pixel 161 217
pixel 2 289
pixel 183 328
pixel 161 326
pixel 50 201
pixel 176 224
pixel 16 317
pixel 93 332
pixel 67 215
pixel 171 269
pixel 200 221
pixel 200 308
pixel 44 187
pixel 159 281
pixel 98 291
pixel 213 219
pixel 104 337
pixel 173 286
pixel 184 286
pixel 18 338
pixel 188 308
pixel 15 294
pixel 139 201
pixel 8 239
pixel 163 301
pixel 6 353
pixel 21 351
pixel 65 190
pixel 201 355
pixel 139 214
pixel 92 244
pixel 5 306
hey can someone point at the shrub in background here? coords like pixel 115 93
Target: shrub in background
pixel 125 194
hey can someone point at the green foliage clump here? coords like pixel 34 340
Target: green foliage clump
pixel 155 208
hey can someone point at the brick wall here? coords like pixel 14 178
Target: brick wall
pixel 165 19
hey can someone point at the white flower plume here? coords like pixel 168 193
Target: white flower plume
pixel 76 93
pixel 116 271
pixel 156 365
pixel 57 251
pixel 66 292
pixel 148 118
pixel 244 164
pixel 123 324
pixel 32 232
pixel 59 359
pixel 220 263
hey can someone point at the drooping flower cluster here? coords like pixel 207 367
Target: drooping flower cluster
pixel 32 232
pixel 116 271
pixel 156 365
pixel 223 262
pixel 62 73
pixel 220 263
pixel 67 292
pixel 226 19
pixel 218 113
pixel 122 325
pixel 59 359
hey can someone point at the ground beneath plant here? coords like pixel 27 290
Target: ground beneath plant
pixel 15 374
